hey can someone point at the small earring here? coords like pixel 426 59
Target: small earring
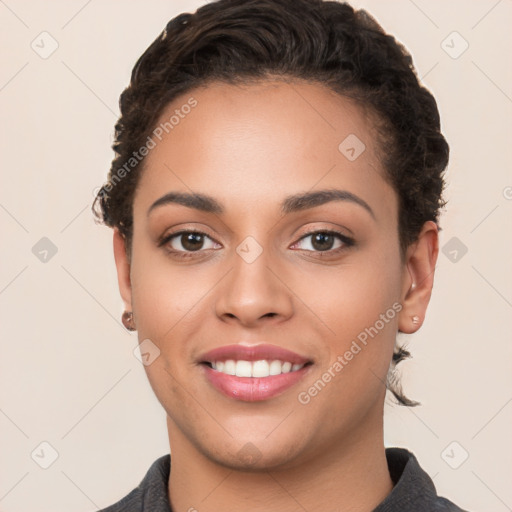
pixel 127 319
pixel 415 319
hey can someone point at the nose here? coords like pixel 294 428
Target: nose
pixel 254 293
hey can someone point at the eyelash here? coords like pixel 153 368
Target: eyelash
pixel 346 241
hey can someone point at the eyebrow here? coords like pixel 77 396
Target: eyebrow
pixel 291 204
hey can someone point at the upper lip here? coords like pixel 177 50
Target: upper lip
pixel 252 353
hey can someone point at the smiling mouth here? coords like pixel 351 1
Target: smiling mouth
pixel 255 372
pixel 258 369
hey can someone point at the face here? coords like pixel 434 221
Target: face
pixel 289 252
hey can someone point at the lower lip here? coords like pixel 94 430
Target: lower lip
pixel 253 389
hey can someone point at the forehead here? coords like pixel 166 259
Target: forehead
pixel 254 144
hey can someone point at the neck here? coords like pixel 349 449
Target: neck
pixel 351 476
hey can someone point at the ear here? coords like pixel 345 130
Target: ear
pixel 123 269
pixel 418 279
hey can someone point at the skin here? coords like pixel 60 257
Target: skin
pixel 249 147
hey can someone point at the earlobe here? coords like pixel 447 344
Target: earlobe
pixel 418 280
pixel 123 269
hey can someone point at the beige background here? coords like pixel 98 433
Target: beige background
pixel 68 373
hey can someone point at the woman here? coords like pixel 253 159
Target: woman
pixel 275 199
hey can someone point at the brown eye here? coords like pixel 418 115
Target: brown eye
pixel 189 241
pixel 322 241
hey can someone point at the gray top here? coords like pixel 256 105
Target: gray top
pixel 413 489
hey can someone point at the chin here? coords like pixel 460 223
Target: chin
pixel 258 455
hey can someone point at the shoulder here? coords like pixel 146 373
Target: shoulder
pixel 151 493
pixel 413 489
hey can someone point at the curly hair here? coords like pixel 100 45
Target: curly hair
pixel 325 42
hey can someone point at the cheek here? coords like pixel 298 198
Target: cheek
pixel 352 296
pixel 169 309
pixel 164 295
pixel 351 379
pixel 359 304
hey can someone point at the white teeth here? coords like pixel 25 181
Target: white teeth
pixel 243 369
pixel 275 367
pixel 229 367
pixel 260 369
